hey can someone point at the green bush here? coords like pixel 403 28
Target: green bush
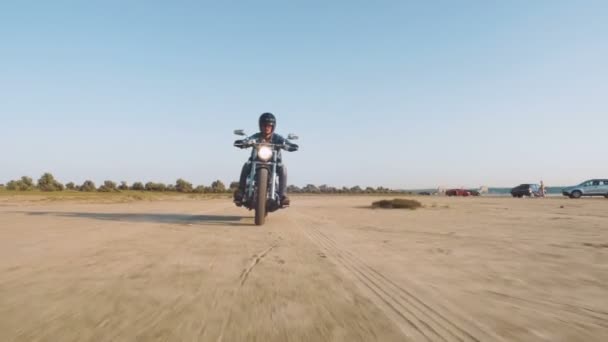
pixel 397 203
pixel 234 186
pixel 123 186
pixel 88 186
pixel 23 184
pixel 356 189
pixel 311 189
pixel 183 186
pixel 201 189
pixel 70 186
pixel 12 185
pixel 293 189
pixel 108 186
pixel 151 186
pixel 48 183
pixel 138 186
pixel 218 186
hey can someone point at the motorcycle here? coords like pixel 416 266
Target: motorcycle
pixel 261 191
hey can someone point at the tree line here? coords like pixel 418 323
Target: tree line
pixel 47 182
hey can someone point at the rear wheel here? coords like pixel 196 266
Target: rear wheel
pixel 260 205
pixel 576 194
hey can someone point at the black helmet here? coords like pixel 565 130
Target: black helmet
pixel 267 119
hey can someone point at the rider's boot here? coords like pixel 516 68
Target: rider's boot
pixel 238 197
pixel 285 201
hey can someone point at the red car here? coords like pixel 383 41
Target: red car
pixel 458 192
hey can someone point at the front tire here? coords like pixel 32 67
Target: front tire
pixel 576 194
pixel 260 204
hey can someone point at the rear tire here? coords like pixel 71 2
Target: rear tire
pixel 576 194
pixel 260 204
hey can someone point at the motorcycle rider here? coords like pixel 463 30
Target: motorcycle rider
pixel 267 123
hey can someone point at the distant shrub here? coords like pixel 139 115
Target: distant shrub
pixel 12 185
pixel 123 186
pixel 88 186
pixel 311 189
pixel 151 186
pixel 48 183
pixel 218 186
pixel 293 189
pixel 234 185
pixel 183 186
pixel 356 189
pixel 397 203
pixel 201 189
pixel 23 184
pixel 70 186
pixel 326 189
pixel 382 190
pixel 138 186
pixel 28 182
pixel 108 186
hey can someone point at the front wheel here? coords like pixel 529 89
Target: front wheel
pixel 260 203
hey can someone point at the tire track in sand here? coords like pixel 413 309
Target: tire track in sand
pixel 418 318
pixel 242 279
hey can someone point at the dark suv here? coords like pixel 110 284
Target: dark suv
pixel 526 190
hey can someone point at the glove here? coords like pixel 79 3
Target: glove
pixel 292 147
pixel 240 143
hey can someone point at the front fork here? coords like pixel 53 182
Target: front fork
pixel 273 178
pixel 251 180
pixel 273 182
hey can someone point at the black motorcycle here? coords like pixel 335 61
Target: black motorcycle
pixel 261 192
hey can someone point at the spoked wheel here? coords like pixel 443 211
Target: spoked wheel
pixel 260 206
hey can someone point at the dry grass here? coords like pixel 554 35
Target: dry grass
pixel 397 203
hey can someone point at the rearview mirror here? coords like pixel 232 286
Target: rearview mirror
pixel 292 136
pixel 239 132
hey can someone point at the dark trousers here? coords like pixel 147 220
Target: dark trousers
pixel 281 172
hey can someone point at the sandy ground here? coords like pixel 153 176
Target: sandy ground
pixel 326 269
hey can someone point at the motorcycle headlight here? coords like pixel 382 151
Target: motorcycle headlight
pixel 264 153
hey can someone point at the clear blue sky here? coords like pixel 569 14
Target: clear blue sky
pixel 393 93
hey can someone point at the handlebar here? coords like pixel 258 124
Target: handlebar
pixel 285 146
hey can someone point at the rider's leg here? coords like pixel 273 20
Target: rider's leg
pixel 240 192
pixel 282 173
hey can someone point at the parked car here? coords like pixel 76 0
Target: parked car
pixel 474 192
pixel 531 190
pixel 424 193
pixel 592 187
pixel 457 192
